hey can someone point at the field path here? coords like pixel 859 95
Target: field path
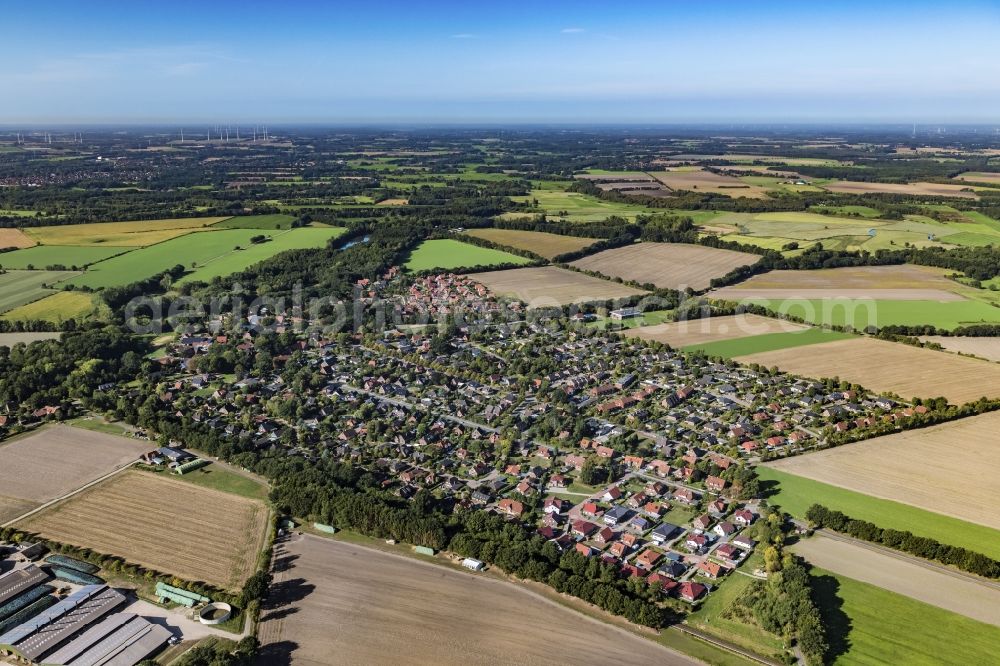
pixel 954 591
pixel 346 603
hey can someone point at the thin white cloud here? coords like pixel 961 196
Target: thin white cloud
pixel 465 35
pixel 572 31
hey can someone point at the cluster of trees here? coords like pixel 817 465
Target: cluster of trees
pixel 930 549
pixel 783 604
pixel 53 372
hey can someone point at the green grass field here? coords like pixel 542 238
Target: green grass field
pixel 647 319
pixel 795 494
pixel 275 221
pixel 57 307
pixel 446 254
pixel 867 625
pixel 220 478
pixel 191 251
pixel 282 241
pixel 21 287
pixel 766 342
pixel 40 256
pixel 860 211
pixel 861 313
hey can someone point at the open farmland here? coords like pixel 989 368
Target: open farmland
pixel 795 494
pixel 392 609
pixel 884 366
pixel 666 265
pixel 577 207
pixel 21 287
pixel 14 238
pixel 699 180
pixel 191 251
pixel 861 313
pixel 973 598
pixel 543 244
pixel 713 329
pixel 275 221
pixel 69 256
pixel 121 234
pixel 983 347
pixel 546 286
pixel 867 625
pixel 11 339
pixel 991 177
pixel 914 189
pixel 233 262
pixel 55 460
pixel 905 283
pixel 949 468
pixel 756 344
pixel 58 307
pixel 165 524
pixel 447 254
pixel 854 228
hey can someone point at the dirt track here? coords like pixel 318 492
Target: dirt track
pixel 338 603
pixel 956 593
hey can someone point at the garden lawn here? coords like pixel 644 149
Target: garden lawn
pixel 447 254
pixel 282 241
pixel 766 342
pixel 795 494
pixel 866 625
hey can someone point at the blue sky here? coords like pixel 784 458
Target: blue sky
pixel 547 61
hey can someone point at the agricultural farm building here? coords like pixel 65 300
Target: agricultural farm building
pixel 666 265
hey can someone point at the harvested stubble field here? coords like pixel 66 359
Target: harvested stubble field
pixel 666 265
pixel 121 234
pixel 15 238
pixel 541 243
pixel 949 469
pixel 334 602
pixel 699 180
pixel 990 177
pixel 192 532
pixel 712 329
pixel 56 460
pixel 988 348
pixel 11 339
pixel 902 575
pixel 903 283
pixel 915 189
pixel 883 366
pixel 547 286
